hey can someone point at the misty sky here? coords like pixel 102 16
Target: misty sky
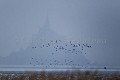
pixel 95 21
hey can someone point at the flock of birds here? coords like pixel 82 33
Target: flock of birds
pixel 59 46
pixel 66 46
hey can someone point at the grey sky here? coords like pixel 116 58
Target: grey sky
pixel 76 19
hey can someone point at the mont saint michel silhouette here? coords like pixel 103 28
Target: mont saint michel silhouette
pixel 49 49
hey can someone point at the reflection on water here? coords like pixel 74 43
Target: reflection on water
pixel 57 68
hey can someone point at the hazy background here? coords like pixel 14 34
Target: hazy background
pixel 95 21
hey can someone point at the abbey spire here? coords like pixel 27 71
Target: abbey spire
pixel 47 23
